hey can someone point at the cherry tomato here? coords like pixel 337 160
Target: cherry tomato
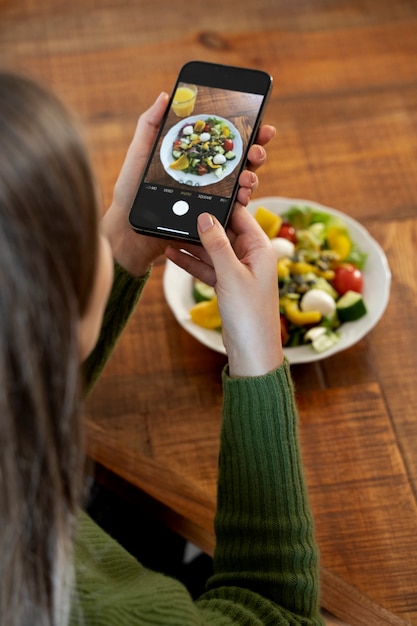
pixel 202 169
pixel 228 145
pixel 287 232
pixel 177 144
pixel 347 278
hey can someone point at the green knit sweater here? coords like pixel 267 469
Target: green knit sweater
pixel 266 560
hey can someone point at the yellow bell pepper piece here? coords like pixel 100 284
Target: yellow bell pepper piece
pixel 283 267
pixel 327 274
pixel 301 267
pixel 283 301
pixel 339 241
pixel 199 126
pixel 206 314
pixel 269 222
pixel 180 164
pixel 211 164
pixel 298 317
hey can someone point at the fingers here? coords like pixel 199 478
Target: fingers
pixel 265 134
pixel 257 152
pixel 256 157
pixel 196 266
pixel 248 183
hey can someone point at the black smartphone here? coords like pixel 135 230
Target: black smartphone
pixel 211 121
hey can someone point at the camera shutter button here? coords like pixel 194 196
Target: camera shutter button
pixel 180 207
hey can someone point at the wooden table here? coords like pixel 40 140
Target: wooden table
pixel 345 106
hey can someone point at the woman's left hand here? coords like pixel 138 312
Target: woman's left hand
pixel 136 252
pixel 242 267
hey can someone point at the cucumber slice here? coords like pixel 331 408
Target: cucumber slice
pixel 350 307
pixel 314 333
pixel 202 292
pixel 325 341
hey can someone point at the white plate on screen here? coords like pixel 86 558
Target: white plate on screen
pixel 192 179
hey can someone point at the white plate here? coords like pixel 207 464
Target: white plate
pixel 377 280
pixel 193 179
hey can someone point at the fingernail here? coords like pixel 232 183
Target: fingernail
pixel 162 96
pixel 205 221
pixel 261 153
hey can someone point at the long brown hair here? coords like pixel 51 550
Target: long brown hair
pixel 48 251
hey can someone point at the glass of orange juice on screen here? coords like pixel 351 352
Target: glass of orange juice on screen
pixel 184 99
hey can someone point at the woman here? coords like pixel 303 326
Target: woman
pixel 57 566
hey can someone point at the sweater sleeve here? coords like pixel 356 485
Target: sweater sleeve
pixel 266 559
pixel 266 562
pixel 124 295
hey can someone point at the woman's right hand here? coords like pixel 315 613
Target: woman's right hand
pixel 241 265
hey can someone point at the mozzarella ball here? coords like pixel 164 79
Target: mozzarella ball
pixel 188 130
pixel 283 247
pixel 219 159
pixel 205 136
pixel 318 300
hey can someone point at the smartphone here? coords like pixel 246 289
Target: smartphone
pixel 211 121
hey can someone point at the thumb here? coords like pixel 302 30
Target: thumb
pixel 149 120
pixel 139 149
pixel 214 240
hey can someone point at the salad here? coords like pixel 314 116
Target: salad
pixel 319 273
pixel 203 147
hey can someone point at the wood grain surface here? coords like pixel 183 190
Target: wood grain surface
pixel 345 107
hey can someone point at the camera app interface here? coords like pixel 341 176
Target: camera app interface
pixel 197 159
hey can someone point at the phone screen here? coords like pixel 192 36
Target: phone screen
pixel 201 149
